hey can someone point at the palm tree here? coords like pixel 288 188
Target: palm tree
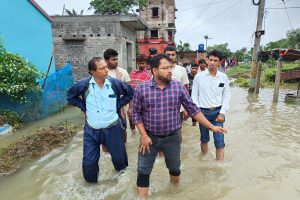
pixel 73 12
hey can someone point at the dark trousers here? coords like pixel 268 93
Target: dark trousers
pixel 113 138
pixel 170 146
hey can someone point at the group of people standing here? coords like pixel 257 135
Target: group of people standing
pixel 159 100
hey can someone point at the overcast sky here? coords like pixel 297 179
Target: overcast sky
pixel 231 21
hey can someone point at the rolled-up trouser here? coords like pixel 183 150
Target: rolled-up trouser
pixel 204 132
pixel 112 137
pixel 170 146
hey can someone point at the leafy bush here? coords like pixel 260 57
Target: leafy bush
pixel 2 49
pixel 12 118
pixel 242 82
pixel 17 75
pixel 290 66
pixel 269 74
pixel 271 62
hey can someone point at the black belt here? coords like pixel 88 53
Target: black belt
pixel 100 129
pixel 163 136
pixel 211 109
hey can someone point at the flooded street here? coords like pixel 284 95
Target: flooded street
pixel 262 161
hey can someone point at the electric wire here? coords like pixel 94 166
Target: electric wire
pixel 288 15
pixel 255 3
pixel 281 8
pixel 197 17
pixel 202 5
pixel 277 4
pixel 220 13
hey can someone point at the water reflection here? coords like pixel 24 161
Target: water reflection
pixel 262 162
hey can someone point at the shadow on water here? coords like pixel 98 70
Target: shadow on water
pixel 262 161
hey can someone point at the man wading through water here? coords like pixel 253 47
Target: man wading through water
pixel 156 114
pixel 101 98
pixel 211 94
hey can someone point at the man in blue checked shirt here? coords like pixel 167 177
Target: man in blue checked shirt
pixel 156 113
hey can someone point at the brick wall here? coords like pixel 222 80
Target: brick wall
pixel 77 39
pixel 190 56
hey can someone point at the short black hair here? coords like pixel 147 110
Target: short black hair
pixel 202 61
pixel 92 64
pixel 170 48
pixel 194 65
pixel 141 58
pixel 215 53
pixel 110 53
pixel 155 61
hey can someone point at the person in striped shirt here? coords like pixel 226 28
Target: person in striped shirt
pixel 138 76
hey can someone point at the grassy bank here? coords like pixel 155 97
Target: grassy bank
pixel 28 148
pixel 242 74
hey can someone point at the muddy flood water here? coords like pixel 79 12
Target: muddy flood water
pixel 262 161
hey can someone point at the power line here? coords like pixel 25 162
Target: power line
pixel 280 3
pixel 220 13
pixel 203 5
pixel 256 3
pixel 223 11
pixel 282 8
pixel 192 21
pixel 254 28
pixel 287 15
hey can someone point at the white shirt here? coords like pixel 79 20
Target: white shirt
pixel 123 74
pixel 209 92
pixel 179 74
pixel 188 69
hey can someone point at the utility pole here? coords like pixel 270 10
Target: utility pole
pixel 258 33
pixel 206 38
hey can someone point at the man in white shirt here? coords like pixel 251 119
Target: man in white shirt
pixel 178 73
pixel 111 58
pixel 211 94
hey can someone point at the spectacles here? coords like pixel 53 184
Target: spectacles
pixel 165 68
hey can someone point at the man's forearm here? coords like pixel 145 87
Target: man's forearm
pixel 202 120
pixel 141 129
pixel 187 87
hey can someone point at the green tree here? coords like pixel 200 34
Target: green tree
pixel 294 38
pixel 182 47
pixel 115 7
pixel 221 47
pixel 283 43
pixel 73 12
pixel 240 54
pixel 248 54
pixel 292 41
